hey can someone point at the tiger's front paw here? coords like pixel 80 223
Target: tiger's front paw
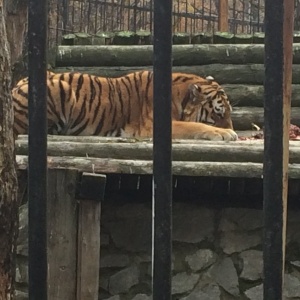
pixel 221 134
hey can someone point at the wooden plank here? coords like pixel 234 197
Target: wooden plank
pixel 223 73
pixel 206 151
pixel 279 55
pixel 288 27
pixel 223 15
pixel 253 95
pixel 91 194
pixel 106 166
pixel 182 55
pixel 100 140
pixel 62 234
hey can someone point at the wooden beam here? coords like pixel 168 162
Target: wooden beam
pixel 279 18
pixel 223 15
pixel 247 151
pixel 62 234
pixel 189 168
pixel 240 73
pixel 288 28
pixel 90 195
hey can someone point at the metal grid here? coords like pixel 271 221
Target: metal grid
pixel 188 16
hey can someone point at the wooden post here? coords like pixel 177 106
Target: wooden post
pixel 223 15
pixel 279 18
pixel 62 234
pixel 91 193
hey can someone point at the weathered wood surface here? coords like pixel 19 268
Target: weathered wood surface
pixel 89 213
pixel 92 55
pixel 242 117
pixel 253 95
pixel 101 139
pixel 91 192
pixel 146 38
pixel 211 151
pixel 223 73
pixel 62 234
pixel 214 169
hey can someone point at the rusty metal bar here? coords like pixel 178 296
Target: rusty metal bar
pixel 279 18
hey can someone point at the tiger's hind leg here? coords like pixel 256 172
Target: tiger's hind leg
pixel 60 105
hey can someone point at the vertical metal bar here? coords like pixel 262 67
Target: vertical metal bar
pixel 203 12
pixel 96 17
pixel 65 12
pixel 186 17
pixel 134 15
pixel 73 15
pixel 151 16
pixel 89 12
pixel 162 151
pixel 279 16
pixel 251 16
pixel 258 15
pixel 37 170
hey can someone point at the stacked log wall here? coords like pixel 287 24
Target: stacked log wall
pixel 237 66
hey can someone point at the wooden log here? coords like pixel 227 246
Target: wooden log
pixel 197 38
pixel 144 37
pixel 243 38
pixel 83 38
pixel 104 166
pixel 230 74
pixel 62 234
pixel 182 55
pixel 202 38
pixel 68 39
pixel 243 117
pixel 181 38
pixel 253 95
pixel 223 37
pixel 218 152
pixel 125 38
pixel 118 140
pixel 103 38
pixel 91 194
pixel 258 38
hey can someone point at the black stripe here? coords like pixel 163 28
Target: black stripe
pixel 62 95
pixel 79 85
pixel 120 95
pixel 100 124
pixel 93 91
pixel 81 128
pixel 98 82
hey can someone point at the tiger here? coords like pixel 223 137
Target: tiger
pixel 84 104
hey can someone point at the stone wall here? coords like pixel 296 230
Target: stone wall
pixel 217 253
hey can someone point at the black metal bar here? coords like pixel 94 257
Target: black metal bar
pixel 278 70
pixel 37 170
pixel 65 13
pixel 162 151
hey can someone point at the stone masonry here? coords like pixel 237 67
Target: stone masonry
pixel 217 253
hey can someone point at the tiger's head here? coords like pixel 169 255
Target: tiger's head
pixel 207 102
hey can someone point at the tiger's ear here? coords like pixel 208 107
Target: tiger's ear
pixel 195 90
pixel 210 79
